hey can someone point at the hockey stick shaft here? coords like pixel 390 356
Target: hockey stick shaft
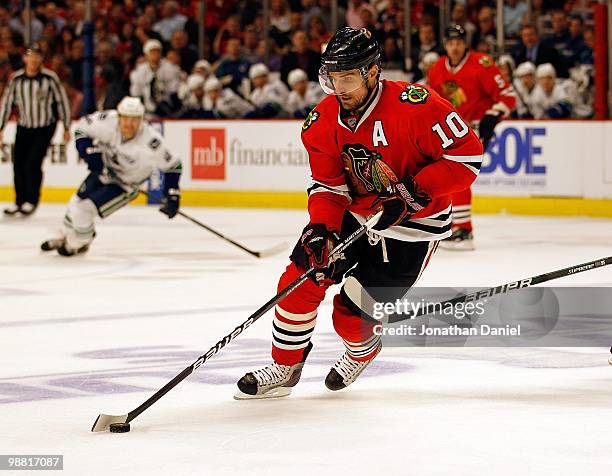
pixel 257 254
pixel 252 318
pixel 506 288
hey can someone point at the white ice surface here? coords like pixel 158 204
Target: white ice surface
pixel 102 332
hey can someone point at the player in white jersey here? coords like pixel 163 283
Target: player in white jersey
pixel 268 95
pixel 121 152
pixel 304 95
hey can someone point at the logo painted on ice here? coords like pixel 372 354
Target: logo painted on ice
pixel 511 140
pixel 208 154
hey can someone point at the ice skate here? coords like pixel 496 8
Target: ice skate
pixel 272 381
pixel 460 240
pixel 346 370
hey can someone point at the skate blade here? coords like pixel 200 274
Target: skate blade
pixel 465 245
pixel 274 393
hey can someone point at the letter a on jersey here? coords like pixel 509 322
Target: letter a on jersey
pixel 378 135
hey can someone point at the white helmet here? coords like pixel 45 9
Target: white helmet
pixel 195 81
pixel 296 75
pixel 212 84
pixel 131 106
pixel 258 69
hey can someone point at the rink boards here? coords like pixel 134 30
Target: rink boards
pixel 532 167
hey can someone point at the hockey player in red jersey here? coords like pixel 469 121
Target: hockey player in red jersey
pixel 371 144
pixel 476 88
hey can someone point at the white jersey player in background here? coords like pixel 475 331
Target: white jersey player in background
pixel 121 152
pixel 304 95
pixel 267 93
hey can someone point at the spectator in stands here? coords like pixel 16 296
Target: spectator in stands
pixel 391 55
pixel 280 15
pixel 326 14
pixel 576 44
pixel 144 30
pixel 106 60
pixel 514 11
pixel 267 95
pixel 301 57
pixel 426 43
pixel 77 17
pixel 224 102
pixel 304 95
pixel 171 20
pixel 51 15
pixel 229 30
pixel 154 79
pixel 233 68
pixel 250 41
pixel 75 62
pixel 109 91
pixel 524 84
pixel 586 57
pixel 318 34
pixel 551 99
pixel 458 17
pixel 559 41
pixel 18 25
pixel 353 13
pixel 187 54
pixel 485 38
pixel 530 48
pixel 309 9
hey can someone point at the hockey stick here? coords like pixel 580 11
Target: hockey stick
pixel 103 422
pixel 505 288
pixel 258 254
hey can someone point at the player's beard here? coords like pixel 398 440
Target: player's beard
pixel 353 103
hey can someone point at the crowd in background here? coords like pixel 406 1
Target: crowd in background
pixel 149 49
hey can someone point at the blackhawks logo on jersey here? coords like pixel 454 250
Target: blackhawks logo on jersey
pixel 414 94
pixel 454 93
pixel 365 170
pixel 312 117
pixel 486 61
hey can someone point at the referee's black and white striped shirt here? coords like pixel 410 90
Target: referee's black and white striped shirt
pixel 41 100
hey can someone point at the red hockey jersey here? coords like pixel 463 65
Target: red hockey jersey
pixel 407 130
pixel 473 87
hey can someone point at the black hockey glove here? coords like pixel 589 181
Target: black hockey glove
pixel 90 154
pixel 403 200
pixel 170 204
pixel 486 128
pixel 313 250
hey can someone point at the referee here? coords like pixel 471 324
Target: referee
pixel 40 99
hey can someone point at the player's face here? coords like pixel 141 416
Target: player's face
pixel 528 80
pixel 350 87
pixel 128 126
pixel 260 81
pixel 455 49
pixel 547 83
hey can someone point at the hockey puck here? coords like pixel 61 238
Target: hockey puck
pixel 119 427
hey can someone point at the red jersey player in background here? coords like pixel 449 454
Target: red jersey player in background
pixel 371 144
pixel 475 86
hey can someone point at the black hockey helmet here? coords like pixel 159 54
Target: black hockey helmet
pixel 455 31
pixel 348 49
